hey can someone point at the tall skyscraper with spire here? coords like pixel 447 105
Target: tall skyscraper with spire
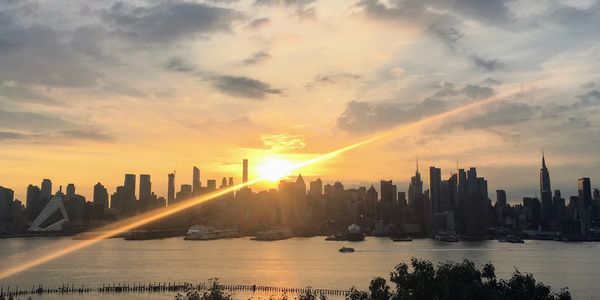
pixel 546 195
pixel 415 188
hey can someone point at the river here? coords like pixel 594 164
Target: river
pixel 297 262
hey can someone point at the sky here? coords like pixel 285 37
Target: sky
pixel 91 90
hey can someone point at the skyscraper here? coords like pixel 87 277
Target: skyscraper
pixel 211 185
pixel 500 198
pixel 145 187
pixel 128 200
pixel 46 190
pixel 70 190
pixel 415 188
pixel 6 204
pixel 100 195
pixel 388 191
pixel 171 189
pixel 316 188
pixel 546 195
pixel 34 205
pixel 196 183
pixel 245 171
pixel 230 181
pixel 584 191
pixel 435 181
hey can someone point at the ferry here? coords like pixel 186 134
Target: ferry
pixel 205 233
pixel 346 250
pixel 273 235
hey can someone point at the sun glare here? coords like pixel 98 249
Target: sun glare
pixel 274 169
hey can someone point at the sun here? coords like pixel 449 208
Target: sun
pixel 274 169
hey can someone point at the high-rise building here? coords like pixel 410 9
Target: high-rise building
pixel 584 191
pixel 129 184
pixel 171 189
pixel 185 193
pixel 46 190
pixel 145 187
pixel 245 171
pixel 196 183
pixel 328 190
pixel 100 196
pixel 316 188
pixel 223 183
pixel 301 185
pixel 70 190
pixel 388 191
pixel 34 201
pixel 435 181
pixel 500 198
pixel 230 181
pixel 546 195
pixel 128 200
pixel 211 185
pixel 6 204
pixel 415 188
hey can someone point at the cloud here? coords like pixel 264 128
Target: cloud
pixel 474 91
pixel 244 87
pixel 259 23
pixel 9 135
pixel 86 135
pixel 302 10
pixel 282 142
pixel 168 21
pixel 332 79
pixel 178 64
pixel 449 36
pixel 487 64
pixel 591 98
pixel 24 125
pixel 256 58
pixel 18 93
pixel 499 113
pixel 364 117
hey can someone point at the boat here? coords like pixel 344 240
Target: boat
pixel 141 234
pixel 402 239
pixel 511 238
pixel 446 237
pixel 346 250
pixel 205 233
pixel 273 235
pixel 335 237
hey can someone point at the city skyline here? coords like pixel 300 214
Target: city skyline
pixel 86 96
pixel 196 182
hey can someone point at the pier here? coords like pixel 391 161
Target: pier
pixel 163 287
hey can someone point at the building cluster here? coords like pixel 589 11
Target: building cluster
pixel 458 205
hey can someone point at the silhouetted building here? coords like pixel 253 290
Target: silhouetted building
pixel 145 187
pixel 100 196
pixel 435 195
pixel 70 189
pixel 230 181
pixel 245 171
pixel 185 193
pixel 171 189
pixel 584 192
pixel 211 185
pixel 328 190
pixel 6 204
pixel 546 195
pixel 34 201
pixel 500 198
pixel 196 181
pixel 316 188
pixel 46 190
pixel 127 206
pixel 388 191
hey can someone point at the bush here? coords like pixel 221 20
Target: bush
pixel 214 292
